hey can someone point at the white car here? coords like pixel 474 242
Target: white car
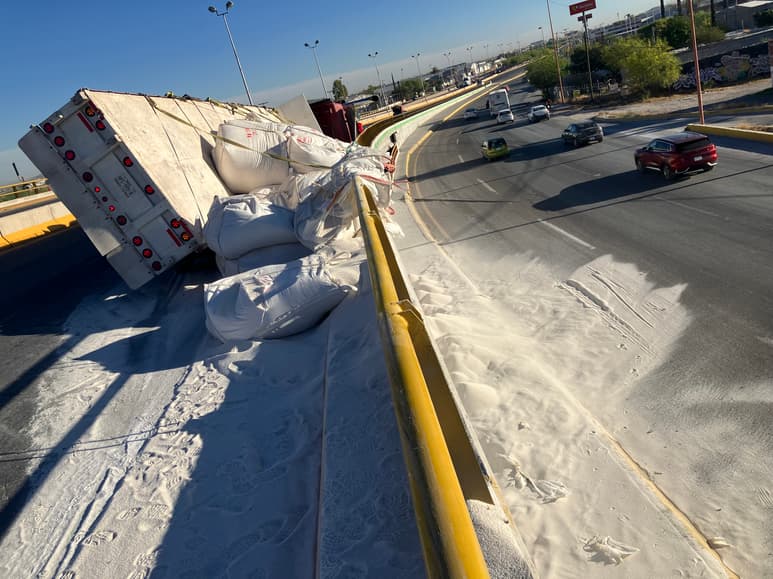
pixel 471 114
pixel 505 116
pixel 538 113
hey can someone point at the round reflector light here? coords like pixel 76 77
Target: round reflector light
pixel 90 110
pixel 88 177
pixel 49 128
pixel 121 219
pixel 149 189
pixel 100 125
pixel 147 252
pixel 127 162
pixel 111 208
pixel 97 189
pixel 156 265
pixel 69 154
pixel 137 240
pixel 59 140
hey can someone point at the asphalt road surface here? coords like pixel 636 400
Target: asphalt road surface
pixel 711 233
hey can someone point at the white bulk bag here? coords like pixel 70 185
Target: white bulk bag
pixel 261 257
pixel 249 155
pixel 327 214
pixel 273 301
pixel 236 225
pixel 296 188
pixel 310 150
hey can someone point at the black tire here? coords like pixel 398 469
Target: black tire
pixel 601 139
pixel 667 172
pixel 640 167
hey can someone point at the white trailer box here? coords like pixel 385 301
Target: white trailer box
pixel 136 171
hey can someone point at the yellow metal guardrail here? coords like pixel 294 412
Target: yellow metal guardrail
pixel 450 545
pixel 23 189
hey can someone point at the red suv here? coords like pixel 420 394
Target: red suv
pixel 677 154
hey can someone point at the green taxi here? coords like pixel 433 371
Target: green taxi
pixel 494 148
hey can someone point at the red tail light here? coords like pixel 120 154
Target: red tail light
pixel 59 141
pixel 48 128
pixel 127 162
pixel 110 208
pixel 88 177
pixel 156 265
pixel 175 223
pixel 147 253
pixel 100 125
pixel 149 190
pixel 137 240
pixel 69 154
pixel 121 219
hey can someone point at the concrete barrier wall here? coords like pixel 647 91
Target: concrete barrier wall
pixel 30 217
pixel 761 136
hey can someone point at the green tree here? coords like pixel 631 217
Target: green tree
pixel 704 31
pixel 644 65
pixel 677 31
pixel 764 18
pixel 409 88
pixel 541 71
pixel 578 61
pixel 339 90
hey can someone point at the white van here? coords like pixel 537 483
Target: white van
pixel 498 100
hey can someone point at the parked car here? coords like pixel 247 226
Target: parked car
pixel 494 148
pixel 538 113
pixel 471 114
pixel 505 116
pixel 582 133
pixel 677 154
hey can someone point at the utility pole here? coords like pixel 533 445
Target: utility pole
pixel 555 54
pixel 697 66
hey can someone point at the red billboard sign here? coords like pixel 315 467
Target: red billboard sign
pixel 581 7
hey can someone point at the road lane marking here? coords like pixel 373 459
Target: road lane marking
pixel 691 208
pixel 486 186
pixel 567 234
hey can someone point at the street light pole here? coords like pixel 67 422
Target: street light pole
pixel 228 6
pixel 378 75
pixel 543 36
pixel 418 69
pixel 319 70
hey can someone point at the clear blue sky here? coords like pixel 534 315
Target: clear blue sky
pixel 54 47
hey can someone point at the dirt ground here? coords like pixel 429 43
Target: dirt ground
pixel 756 94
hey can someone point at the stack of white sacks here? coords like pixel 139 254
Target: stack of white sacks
pixel 281 237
